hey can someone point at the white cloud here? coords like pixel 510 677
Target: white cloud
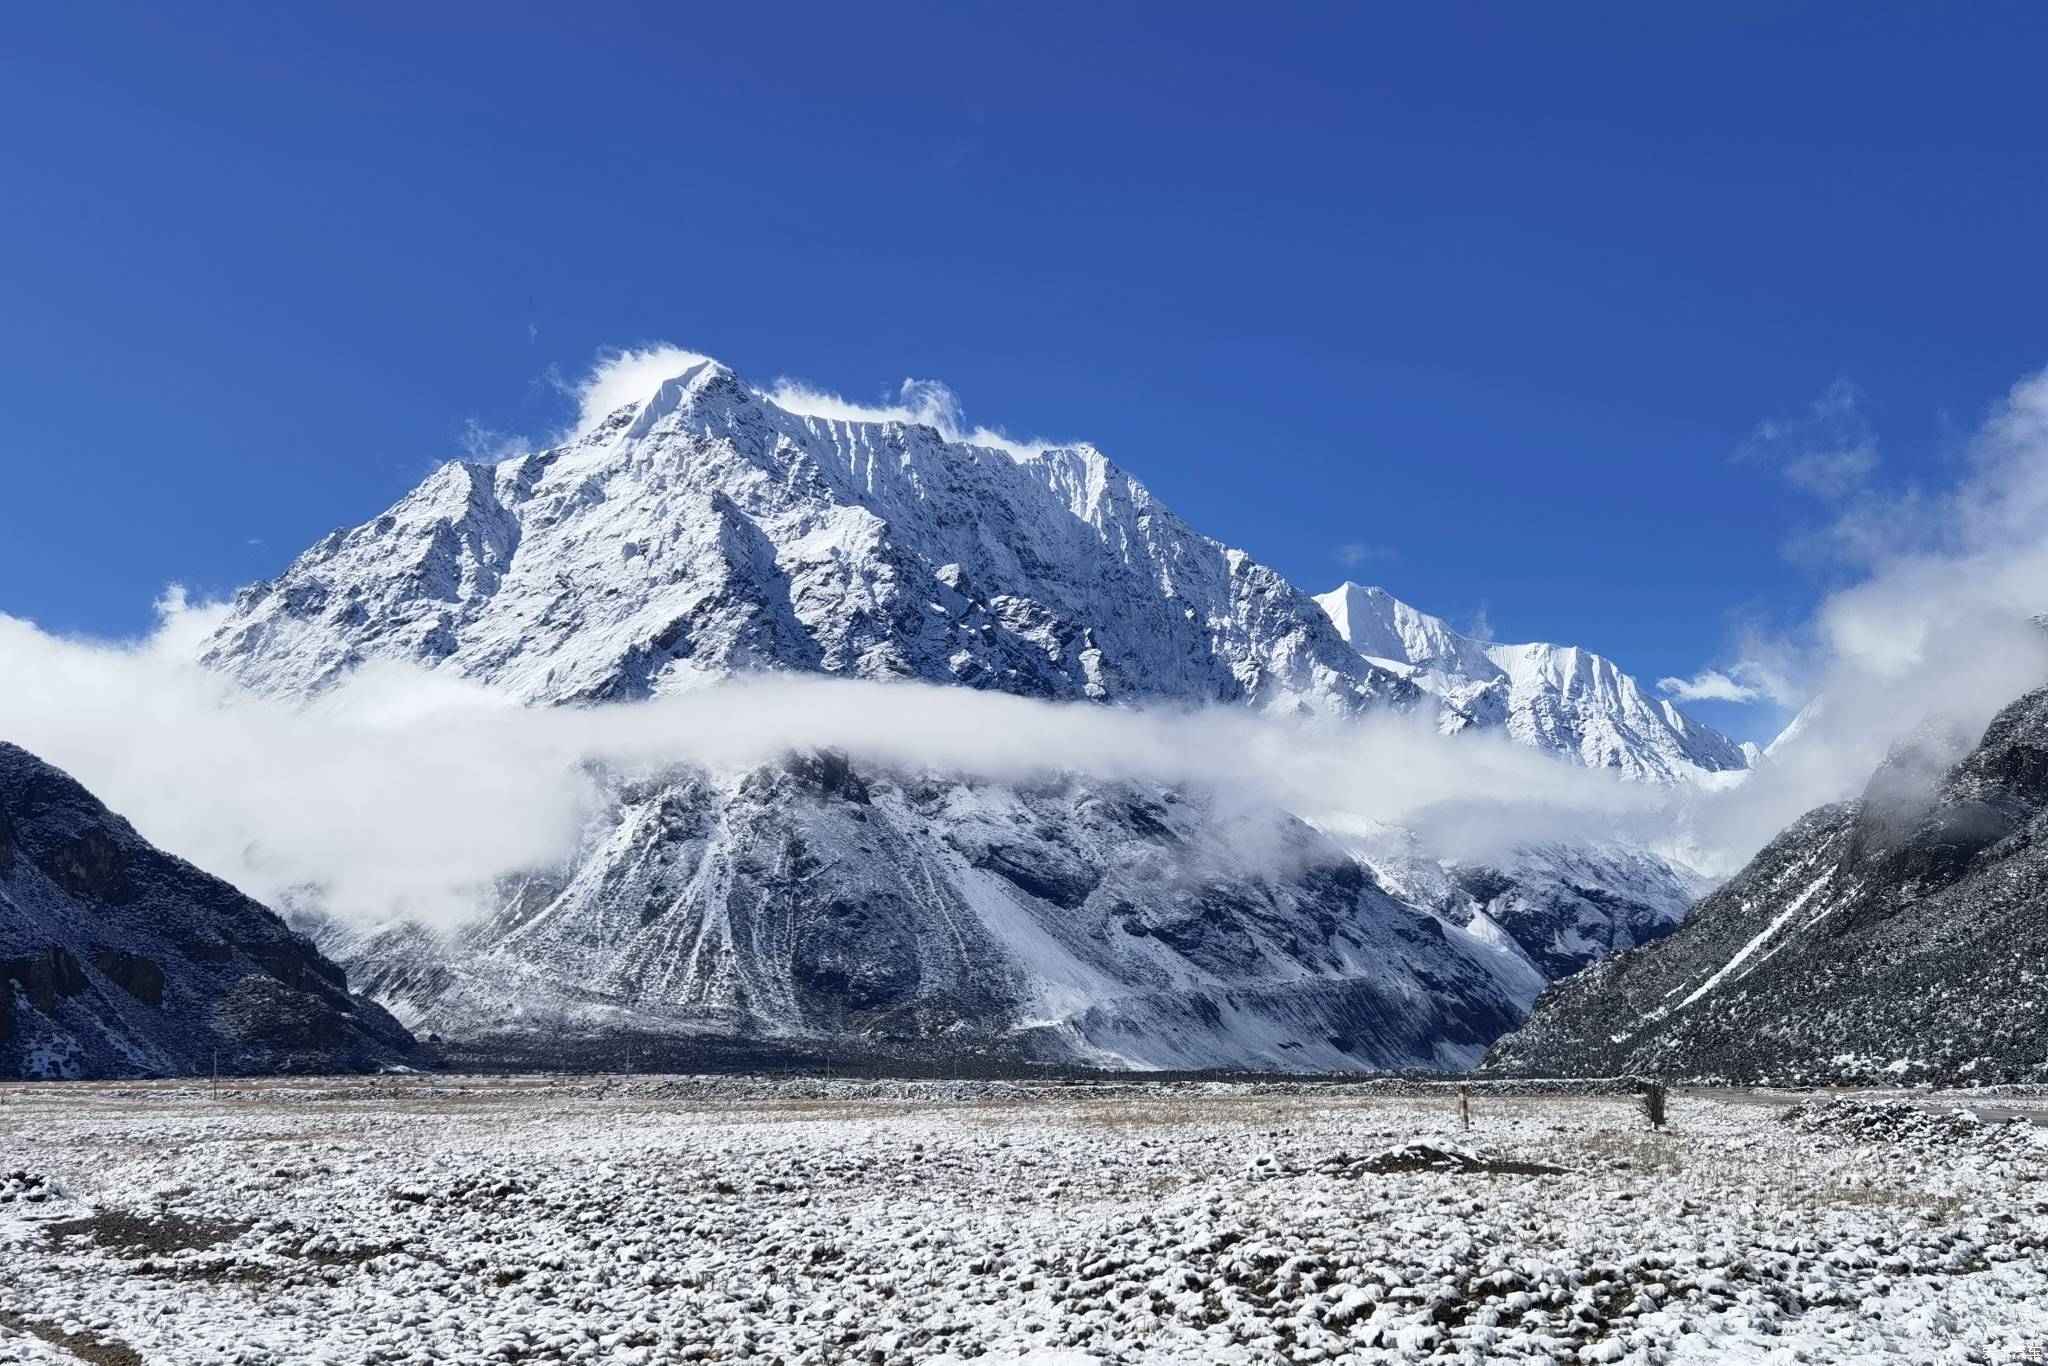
pixel 1352 554
pixel 1833 473
pixel 411 791
pixel 621 376
pixel 480 444
pixel 1709 685
pixel 1481 628
pixel 1936 630
pixel 923 401
pixel 1829 450
pixel 1747 680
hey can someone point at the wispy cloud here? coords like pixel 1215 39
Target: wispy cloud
pixel 403 790
pixel 1830 450
pixel 1765 669
pixel 1352 554
pixel 1713 685
pixel 1937 627
pixel 925 401
pixel 1708 685
pixel 620 376
pixel 482 444
pixel 623 375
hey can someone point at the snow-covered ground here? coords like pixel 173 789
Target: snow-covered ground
pixel 657 1220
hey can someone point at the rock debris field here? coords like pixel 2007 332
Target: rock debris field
pixel 644 1220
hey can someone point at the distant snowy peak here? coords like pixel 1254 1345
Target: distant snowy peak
pixel 1795 728
pixel 704 530
pixel 1378 624
pixel 1554 697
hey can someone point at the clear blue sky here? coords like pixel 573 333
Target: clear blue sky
pixel 1496 291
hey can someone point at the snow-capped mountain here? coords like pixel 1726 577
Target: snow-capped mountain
pixel 705 530
pixel 1106 923
pixel 118 960
pixel 1554 697
pixel 1900 936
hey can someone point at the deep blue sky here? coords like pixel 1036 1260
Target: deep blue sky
pixel 1496 291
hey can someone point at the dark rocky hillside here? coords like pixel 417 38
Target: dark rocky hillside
pixel 117 959
pixel 1902 936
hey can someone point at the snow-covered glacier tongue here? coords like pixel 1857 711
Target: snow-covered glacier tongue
pixel 706 532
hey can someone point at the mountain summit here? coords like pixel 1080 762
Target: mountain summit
pixel 704 530
pixel 1555 697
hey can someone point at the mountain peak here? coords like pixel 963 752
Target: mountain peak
pixel 700 379
pixel 1383 628
pixel 1557 697
pixel 700 527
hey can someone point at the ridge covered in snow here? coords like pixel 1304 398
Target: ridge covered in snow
pixel 1555 697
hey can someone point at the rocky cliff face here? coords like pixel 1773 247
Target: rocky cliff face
pixel 1902 936
pixel 1557 907
pixel 117 959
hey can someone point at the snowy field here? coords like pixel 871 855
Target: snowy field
pixel 651 1220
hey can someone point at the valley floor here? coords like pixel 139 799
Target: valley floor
pixel 644 1220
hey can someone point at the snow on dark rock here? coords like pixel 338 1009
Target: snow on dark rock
pixel 539 1220
pixel 1913 1126
pixel 1902 937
